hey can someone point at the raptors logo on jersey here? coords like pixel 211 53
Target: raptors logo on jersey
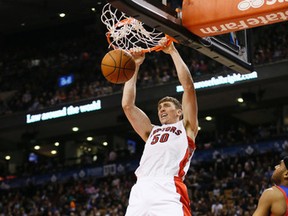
pixel 167 152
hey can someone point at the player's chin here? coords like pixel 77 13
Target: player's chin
pixel 163 121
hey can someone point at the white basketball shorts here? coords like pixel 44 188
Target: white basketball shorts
pixel 158 196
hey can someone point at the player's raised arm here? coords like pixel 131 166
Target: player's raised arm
pixel 137 118
pixel 189 100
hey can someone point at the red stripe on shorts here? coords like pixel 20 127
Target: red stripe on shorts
pixel 184 199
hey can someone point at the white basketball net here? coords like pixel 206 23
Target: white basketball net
pixel 128 33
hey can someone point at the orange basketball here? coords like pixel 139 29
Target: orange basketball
pixel 118 66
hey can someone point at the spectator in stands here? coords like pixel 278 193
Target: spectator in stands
pixel 168 148
pixel 216 208
pixel 273 200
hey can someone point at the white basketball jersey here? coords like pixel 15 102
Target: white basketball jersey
pixel 167 152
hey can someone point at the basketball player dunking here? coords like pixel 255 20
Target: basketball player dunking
pixel 159 189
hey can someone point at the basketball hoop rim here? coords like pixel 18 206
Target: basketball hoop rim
pixel 156 48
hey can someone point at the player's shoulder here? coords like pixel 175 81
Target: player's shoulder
pixel 272 193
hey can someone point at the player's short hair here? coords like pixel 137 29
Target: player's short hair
pixel 177 104
pixel 285 160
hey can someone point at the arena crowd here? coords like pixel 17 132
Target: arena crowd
pixel 29 82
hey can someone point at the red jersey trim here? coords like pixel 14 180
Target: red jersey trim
pixel 286 198
pixel 189 151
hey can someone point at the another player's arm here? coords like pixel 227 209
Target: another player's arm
pixel 137 118
pixel 270 203
pixel 264 204
pixel 189 100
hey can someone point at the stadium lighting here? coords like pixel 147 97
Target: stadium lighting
pixel 240 100
pixel 36 147
pixel 89 138
pixel 75 129
pixel 62 15
pixel 208 118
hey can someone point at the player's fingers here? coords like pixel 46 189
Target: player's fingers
pixel 163 42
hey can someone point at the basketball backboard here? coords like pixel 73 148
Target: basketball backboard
pixel 155 14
